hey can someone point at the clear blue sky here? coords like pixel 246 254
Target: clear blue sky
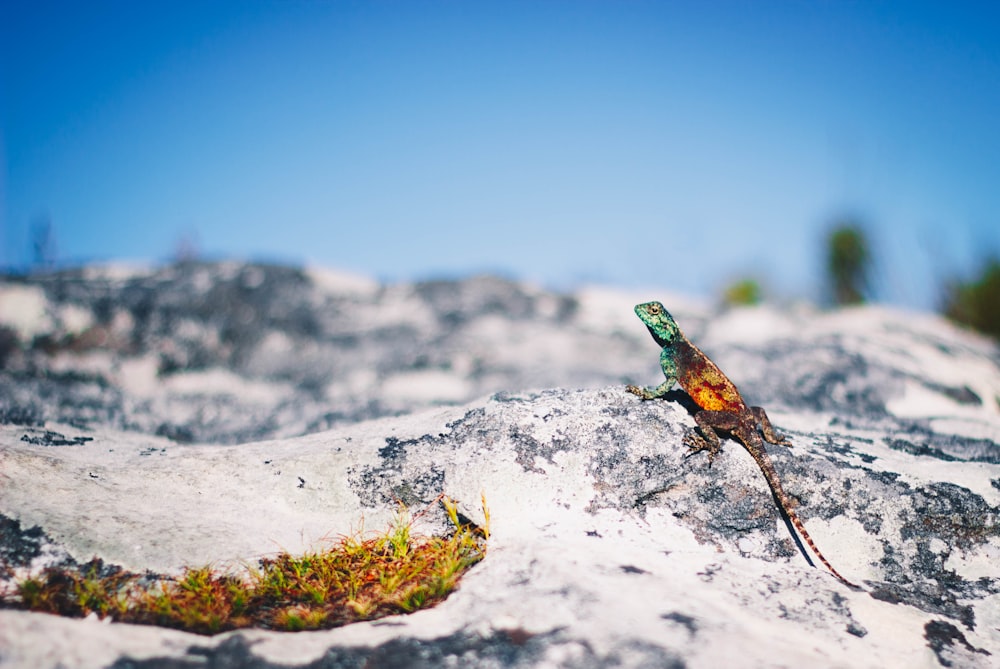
pixel 678 144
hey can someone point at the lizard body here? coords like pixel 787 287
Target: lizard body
pixel 722 407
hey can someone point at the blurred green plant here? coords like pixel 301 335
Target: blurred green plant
pixel 976 303
pixel 848 261
pixel 745 292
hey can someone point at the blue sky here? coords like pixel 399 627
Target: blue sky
pixel 673 144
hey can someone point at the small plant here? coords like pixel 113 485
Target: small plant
pixel 355 579
pixel 848 261
pixel 745 292
pixel 976 303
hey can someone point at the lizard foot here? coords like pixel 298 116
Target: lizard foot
pixel 767 429
pixel 697 443
pixel 773 437
pixel 636 390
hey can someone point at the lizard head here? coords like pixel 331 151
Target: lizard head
pixel 659 321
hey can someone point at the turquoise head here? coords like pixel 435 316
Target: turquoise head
pixel 659 321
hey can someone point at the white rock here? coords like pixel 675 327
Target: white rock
pixel 609 545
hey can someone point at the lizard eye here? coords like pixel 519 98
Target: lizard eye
pixel 654 309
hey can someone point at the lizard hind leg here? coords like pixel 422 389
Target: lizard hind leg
pixel 771 436
pixel 705 437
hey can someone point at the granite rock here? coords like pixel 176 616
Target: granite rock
pixel 610 546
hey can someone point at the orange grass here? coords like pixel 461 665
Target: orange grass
pixel 354 579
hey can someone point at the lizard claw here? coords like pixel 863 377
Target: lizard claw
pixel 780 440
pixel 636 390
pixel 696 444
pixel 772 437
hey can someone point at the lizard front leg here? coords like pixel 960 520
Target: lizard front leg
pixel 669 368
pixel 708 423
pixel 651 393
pixel 770 435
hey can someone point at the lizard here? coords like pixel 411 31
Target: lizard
pixel 722 408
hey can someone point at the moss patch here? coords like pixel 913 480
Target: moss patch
pixel 354 579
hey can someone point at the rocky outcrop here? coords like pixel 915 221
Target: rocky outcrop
pixel 609 545
pixel 228 353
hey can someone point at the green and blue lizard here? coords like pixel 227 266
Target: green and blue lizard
pixel 722 407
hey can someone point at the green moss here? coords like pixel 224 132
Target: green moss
pixel 354 579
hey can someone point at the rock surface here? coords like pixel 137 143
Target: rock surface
pixel 231 353
pixel 327 401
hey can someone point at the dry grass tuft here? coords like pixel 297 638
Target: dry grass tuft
pixel 354 579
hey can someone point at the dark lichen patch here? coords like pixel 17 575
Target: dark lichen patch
pixel 936 521
pixel 973 450
pixel 923 450
pixel 31 415
pixel 947 447
pixel 616 411
pixel 509 397
pixel 472 416
pixel 955 514
pixel 415 491
pixel 177 433
pixel 853 386
pixel 886 477
pixel 527 449
pixel 393 479
pixel 961 394
pixel 682 619
pixel 51 438
pixel 944 596
pixel 632 569
pixel 502 648
pixel 370 485
pixel 886 593
pixel 834 444
pixel 949 643
pixel 18 547
pixel 394 449
pixel 627 477
pixel 854 629
pixel 921 440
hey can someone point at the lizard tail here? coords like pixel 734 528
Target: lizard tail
pixel 766 466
